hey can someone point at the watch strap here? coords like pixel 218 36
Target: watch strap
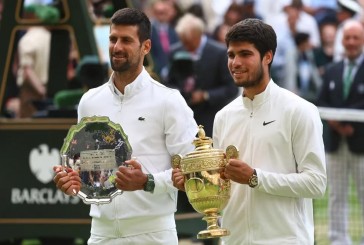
pixel 150 184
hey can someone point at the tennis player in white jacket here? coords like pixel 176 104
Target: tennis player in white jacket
pixel 281 166
pixel 158 123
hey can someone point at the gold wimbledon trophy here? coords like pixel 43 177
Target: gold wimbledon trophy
pixel 207 192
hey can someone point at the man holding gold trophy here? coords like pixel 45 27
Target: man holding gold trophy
pixel 281 163
pixel 157 123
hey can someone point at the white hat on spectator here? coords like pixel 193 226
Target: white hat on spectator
pixel 350 5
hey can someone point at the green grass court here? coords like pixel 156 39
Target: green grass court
pixel 321 219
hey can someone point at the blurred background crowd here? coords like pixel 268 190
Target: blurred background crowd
pixel 188 50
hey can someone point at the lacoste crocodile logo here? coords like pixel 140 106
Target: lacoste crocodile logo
pixel 141 119
pixel 266 123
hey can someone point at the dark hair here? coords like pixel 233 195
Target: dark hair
pixel 132 16
pixel 254 31
pixel 296 4
pixel 301 37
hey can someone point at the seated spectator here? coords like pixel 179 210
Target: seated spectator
pixel 34 53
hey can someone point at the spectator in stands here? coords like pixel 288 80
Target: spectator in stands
pixel 291 21
pixel 268 9
pixel 213 11
pixel 208 86
pixel 343 87
pixel 33 54
pixel 249 10
pixel 303 77
pixel 232 15
pixel 325 53
pixel 347 10
pixel 163 35
pixel 321 10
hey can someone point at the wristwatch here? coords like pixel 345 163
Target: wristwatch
pixel 253 180
pixel 149 185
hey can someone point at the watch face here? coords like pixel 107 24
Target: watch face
pixel 253 181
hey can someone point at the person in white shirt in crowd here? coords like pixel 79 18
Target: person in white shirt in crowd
pixel 347 10
pixel 303 77
pixel 213 10
pixel 291 21
pixel 268 9
pixel 34 49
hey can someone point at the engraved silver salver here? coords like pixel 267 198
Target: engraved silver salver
pixel 95 148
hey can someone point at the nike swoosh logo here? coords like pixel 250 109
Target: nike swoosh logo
pixel 266 123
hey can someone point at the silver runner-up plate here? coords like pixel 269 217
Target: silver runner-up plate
pixel 95 148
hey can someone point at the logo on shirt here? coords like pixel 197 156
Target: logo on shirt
pixel 141 119
pixel 266 123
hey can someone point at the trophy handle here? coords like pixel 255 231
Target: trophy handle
pixel 176 161
pixel 232 152
pixel 195 185
pixel 67 163
pixel 64 159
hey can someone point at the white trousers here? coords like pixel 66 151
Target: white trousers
pixel 342 166
pixel 154 238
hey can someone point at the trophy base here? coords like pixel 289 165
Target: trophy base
pixel 213 233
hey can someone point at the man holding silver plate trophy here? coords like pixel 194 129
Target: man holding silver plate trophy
pixel 128 130
pixel 281 164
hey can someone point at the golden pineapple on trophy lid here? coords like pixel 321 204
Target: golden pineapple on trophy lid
pixel 207 192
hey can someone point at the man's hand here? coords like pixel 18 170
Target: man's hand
pixel 131 178
pixel 237 171
pixel 178 179
pixel 197 97
pixel 69 181
pixel 344 129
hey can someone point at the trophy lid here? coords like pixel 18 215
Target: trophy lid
pixel 202 142
pixel 204 157
pixel 203 145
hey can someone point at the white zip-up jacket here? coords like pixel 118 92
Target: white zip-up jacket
pixel 280 135
pixel 158 124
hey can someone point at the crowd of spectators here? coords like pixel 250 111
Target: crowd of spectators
pixel 308 34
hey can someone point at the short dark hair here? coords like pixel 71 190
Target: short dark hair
pixel 254 31
pixel 301 37
pixel 133 16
